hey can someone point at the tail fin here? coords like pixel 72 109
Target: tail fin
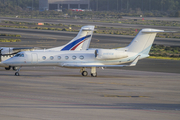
pixel 80 42
pixel 143 41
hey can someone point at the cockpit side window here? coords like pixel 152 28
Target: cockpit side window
pixel 16 55
pixel 19 55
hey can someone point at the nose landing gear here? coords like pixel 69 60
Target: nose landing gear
pixel 17 71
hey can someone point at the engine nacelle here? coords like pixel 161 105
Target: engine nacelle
pixel 6 50
pixel 109 54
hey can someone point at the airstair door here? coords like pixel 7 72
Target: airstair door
pixel 34 58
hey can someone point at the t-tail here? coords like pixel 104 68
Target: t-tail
pixel 143 41
pixel 80 42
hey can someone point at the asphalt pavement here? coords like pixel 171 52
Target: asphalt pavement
pixel 53 93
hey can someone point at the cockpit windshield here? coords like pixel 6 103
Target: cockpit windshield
pixel 19 55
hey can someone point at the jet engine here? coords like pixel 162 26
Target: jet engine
pixel 109 54
pixel 5 50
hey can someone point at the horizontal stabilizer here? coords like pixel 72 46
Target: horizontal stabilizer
pixel 88 29
pixel 157 31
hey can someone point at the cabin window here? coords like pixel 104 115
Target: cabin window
pixel 66 57
pixel 81 57
pixel 51 57
pixel 43 57
pixel 73 57
pixel 59 57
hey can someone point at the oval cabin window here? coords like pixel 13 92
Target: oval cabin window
pixel 66 57
pixel 59 57
pixel 73 57
pixel 43 57
pixel 51 57
pixel 81 57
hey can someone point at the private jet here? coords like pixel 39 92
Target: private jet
pixel 91 58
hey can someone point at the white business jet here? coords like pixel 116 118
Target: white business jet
pixel 80 42
pixel 138 49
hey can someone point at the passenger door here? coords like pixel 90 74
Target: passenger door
pixel 34 58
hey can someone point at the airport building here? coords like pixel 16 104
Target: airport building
pixel 63 4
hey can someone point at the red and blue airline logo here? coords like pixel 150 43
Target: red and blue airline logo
pixel 76 43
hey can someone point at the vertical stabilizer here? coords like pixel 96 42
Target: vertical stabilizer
pixel 80 42
pixel 143 41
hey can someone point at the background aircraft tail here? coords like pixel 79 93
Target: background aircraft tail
pixel 143 41
pixel 80 42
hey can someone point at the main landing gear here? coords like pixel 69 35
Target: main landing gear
pixel 13 67
pixel 17 72
pixel 93 72
pixel 85 73
pixel 8 68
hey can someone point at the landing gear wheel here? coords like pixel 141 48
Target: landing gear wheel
pixel 16 74
pixel 8 68
pixel 84 73
pixel 14 68
pixel 93 74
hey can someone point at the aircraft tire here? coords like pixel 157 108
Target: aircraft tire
pixel 94 75
pixel 16 74
pixel 84 73
pixel 14 68
pixel 8 68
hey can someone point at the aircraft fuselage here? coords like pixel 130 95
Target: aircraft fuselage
pixel 59 58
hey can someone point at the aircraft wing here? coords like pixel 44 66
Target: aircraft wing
pixel 16 50
pixel 23 49
pixel 85 65
pixel 12 51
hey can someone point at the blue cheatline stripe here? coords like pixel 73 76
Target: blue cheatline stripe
pixel 71 45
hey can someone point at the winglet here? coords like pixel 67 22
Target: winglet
pixel 135 61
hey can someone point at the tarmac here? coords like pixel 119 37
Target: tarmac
pixel 53 93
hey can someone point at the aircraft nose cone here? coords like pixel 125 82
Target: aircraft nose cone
pixel 7 62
